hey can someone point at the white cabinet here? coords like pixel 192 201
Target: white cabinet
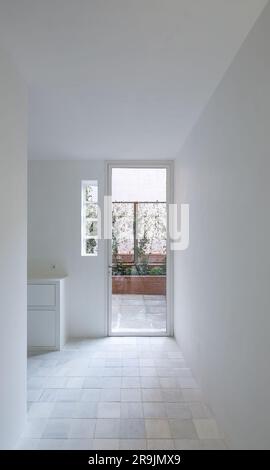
pixel 46 314
pixel 42 328
pixel 42 295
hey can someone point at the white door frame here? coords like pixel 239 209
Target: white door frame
pixel 109 165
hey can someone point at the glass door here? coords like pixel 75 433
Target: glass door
pixel 138 259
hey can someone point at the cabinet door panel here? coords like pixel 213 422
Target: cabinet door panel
pixel 41 328
pixel 41 295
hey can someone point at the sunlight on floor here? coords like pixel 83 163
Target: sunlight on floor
pixel 138 314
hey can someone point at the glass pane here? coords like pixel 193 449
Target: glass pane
pixel 139 184
pixel 90 193
pixel 91 228
pixel 91 211
pixel 122 232
pixel 91 246
pixel 152 228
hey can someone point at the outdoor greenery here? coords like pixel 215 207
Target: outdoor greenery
pixel 91 245
pixel 139 230
pixel 90 222
pixel 121 269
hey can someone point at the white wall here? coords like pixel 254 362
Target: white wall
pixel 54 237
pixel 13 155
pixel 222 293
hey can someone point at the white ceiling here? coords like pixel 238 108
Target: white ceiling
pixel 120 78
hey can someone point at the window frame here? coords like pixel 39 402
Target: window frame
pixel 84 219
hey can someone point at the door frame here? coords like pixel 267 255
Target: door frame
pixel 169 165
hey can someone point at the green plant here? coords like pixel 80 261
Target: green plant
pixel 115 242
pixel 91 246
pixel 121 270
pixel 156 271
pixel 141 256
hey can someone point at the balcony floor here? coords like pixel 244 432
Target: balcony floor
pixel 135 314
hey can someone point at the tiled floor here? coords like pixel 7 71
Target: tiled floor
pixel 138 313
pixel 116 393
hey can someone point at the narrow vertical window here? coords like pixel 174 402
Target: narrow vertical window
pixel 89 221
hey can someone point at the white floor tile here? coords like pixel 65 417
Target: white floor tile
pixel 160 444
pixel 75 382
pixel 109 410
pixel 107 429
pixel 171 395
pixel 27 444
pixel 34 395
pixel 93 394
pixel 186 382
pixel 178 411
pixel 111 393
pixel 68 395
pixel 111 382
pixel 40 410
pixel 82 428
pixel 151 394
pixel 199 410
pixel 132 428
pixel 148 372
pixel 157 429
pixel 154 410
pixel 130 371
pixel 57 429
pixel 35 428
pixel 78 444
pixel 36 383
pixel 130 364
pixel 132 444
pixel 112 372
pixel 106 444
pixel 63 410
pixel 50 444
pixel 48 395
pixel 192 395
pixel 85 410
pixel 92 382
pixel 131 410
pixel 94 372
pixel 183 429
pixel 165 372
pixel 147 363
pixel 206 428
pixel 56 382
pixel 150 382
pixel 168 382
pixel 131 394
pixel 199 444
pixel 131 382
pixel 181 372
